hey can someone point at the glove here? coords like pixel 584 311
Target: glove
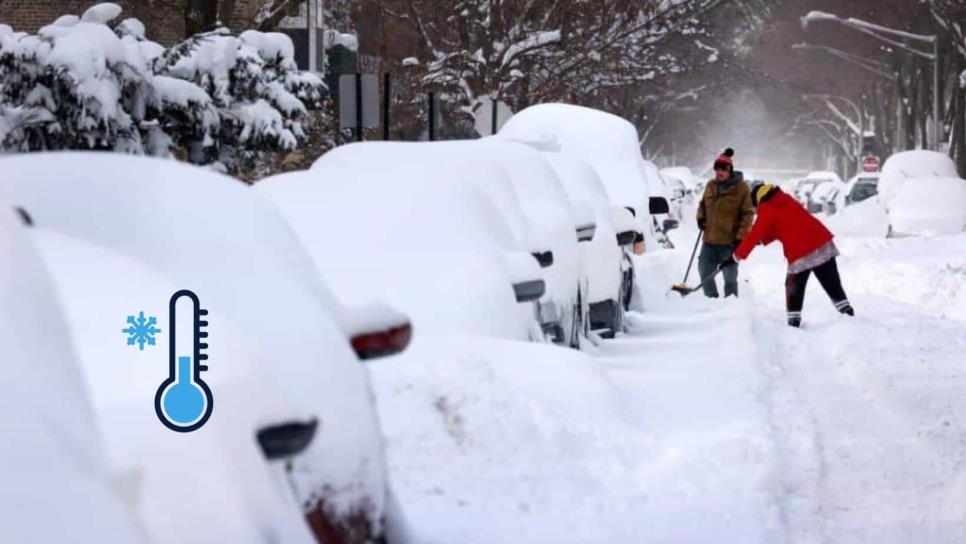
pixel 702 223
pixel 727 262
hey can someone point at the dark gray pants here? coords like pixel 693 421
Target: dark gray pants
pixel 712 255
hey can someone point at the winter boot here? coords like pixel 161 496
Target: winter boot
pixel 844 307
pixel 795 322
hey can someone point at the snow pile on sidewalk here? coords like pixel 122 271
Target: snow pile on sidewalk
pixel 491 438
pixel 867 219
pixel 929 273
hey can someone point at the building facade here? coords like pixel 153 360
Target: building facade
pixel 166 20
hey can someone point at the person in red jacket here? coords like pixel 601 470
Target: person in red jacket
pixel 807 244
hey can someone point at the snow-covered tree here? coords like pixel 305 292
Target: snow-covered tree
pixel 218 99
pixel 528 51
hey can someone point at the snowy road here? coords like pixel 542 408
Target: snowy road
pixel 735 428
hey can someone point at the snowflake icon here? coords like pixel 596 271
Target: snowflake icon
pixel 141 330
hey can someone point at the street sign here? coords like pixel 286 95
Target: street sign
pixel 870 164
pixel 351 113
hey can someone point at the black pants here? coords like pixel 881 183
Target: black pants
pixel 828 276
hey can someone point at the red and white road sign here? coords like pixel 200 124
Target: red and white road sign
pixel 870 164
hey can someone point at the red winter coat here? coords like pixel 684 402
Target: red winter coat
pixel 781 218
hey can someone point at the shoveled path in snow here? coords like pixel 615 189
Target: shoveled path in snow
pixel 849 430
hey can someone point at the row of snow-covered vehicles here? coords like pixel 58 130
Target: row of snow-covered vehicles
pixel 917 193
pixel 527 235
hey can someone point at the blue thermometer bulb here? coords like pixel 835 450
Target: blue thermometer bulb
pixel 183 401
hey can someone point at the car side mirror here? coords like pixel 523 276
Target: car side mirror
pixel 658 205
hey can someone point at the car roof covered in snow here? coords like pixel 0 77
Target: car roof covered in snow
pixel 419 234
pixel 823 175
pixel 608 142
pixel 448 163
pixel 920 163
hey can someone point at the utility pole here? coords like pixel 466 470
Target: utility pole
pixel 313 35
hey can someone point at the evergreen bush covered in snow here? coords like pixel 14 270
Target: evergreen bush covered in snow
pixel 90 83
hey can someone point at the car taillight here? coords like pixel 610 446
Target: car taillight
pixel 371 345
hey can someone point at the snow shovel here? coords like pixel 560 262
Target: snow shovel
pixel 684 290
pixel 679 287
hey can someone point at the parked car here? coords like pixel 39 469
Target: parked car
pixel 57 485
pixel 546 204
pixel 380 222
pixel 822 198
pixel 292 448
pixel 860 188
pixel 606 265
pixel 805 187
pixel 922 194
pixel 605 141
pixel 693 184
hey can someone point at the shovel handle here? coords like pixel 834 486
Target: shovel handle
pixel 693 252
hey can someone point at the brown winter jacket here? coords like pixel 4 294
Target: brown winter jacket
pixel 727 211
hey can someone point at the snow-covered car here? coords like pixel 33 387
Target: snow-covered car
pixel 693 184
pixel 606 265
pixel 607 142
pixel 906 165
pixel 822 198
pixel 923 194
pixel 383 220
pixel 546 204
pixel 859 188
pixel 805 187
pixel 57 486
pixel 292 447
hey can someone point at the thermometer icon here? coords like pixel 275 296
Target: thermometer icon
pixel 183 401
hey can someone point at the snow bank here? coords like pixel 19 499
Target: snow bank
pixel 864 219
pixel 482 445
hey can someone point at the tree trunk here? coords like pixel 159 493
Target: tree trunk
pixel 959 120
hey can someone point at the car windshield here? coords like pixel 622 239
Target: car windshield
pixel 862 191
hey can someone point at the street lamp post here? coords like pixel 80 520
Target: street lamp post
pixel 874 66
pixel 876 31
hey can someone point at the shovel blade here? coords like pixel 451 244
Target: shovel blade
pixel 682 289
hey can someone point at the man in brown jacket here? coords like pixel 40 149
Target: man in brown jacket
pixel 725 215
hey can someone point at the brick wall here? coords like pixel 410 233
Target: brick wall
pixel 164 19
